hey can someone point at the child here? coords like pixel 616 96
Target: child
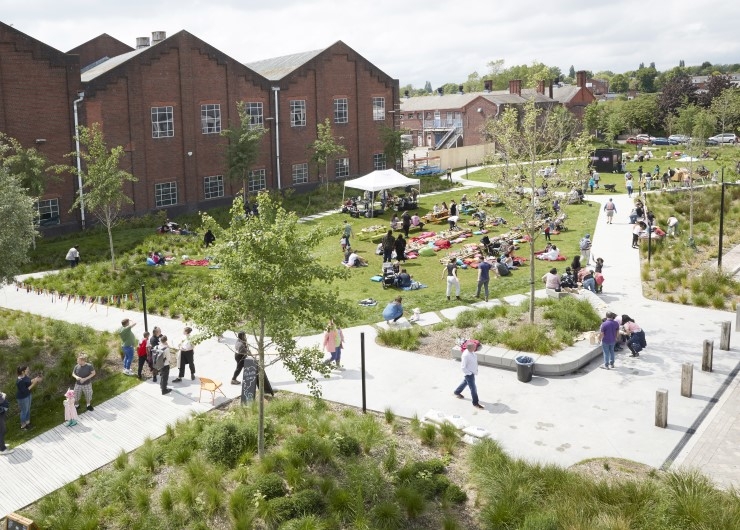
pixel 144 354
pixel 344 244
pixel 70 412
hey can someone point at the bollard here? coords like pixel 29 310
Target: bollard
pixel 724 339
pixel 687 379
pixel 661 408
pixel 737 318
pixel 707 356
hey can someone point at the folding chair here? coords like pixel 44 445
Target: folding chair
pixel 210 385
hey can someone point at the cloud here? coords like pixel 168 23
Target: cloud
pixel 413 40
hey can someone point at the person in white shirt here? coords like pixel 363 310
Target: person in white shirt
pixel 185 356
pixel 73 256
pixel 469 363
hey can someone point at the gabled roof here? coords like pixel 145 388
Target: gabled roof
pixel 110 64
pixel 445 101
pixel 98 49
pixel 529 93
pixel 40 50
pixel 276 68
pixel 564 94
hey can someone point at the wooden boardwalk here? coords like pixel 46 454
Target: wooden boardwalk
pixel 59 456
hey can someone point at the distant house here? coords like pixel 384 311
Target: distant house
pixel 167 101
pixel 442 121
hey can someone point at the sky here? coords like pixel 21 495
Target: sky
pixel 413 41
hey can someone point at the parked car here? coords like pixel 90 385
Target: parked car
pixel 711 141
pixel 659 140
pixel 427 170
pixel 637 141
pixel 725 138
pixel 679 138
pixel 645 137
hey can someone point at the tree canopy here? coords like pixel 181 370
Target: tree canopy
pixel 17 231
pixel 243 148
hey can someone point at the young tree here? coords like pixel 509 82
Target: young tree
pixel 522 137
pixel 243 148
pixel 726 107
pixel 17 230
pixel 324 148
pixel 394 146
pixel 103 180
pixel 271 283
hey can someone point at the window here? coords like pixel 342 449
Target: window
pixel 165 194
pixel 298 113
pixel 411 115
pixel 47 212
pixel 300 173
pixel 210 118
pixel 163 122
pixel 418 115
pixel 379 109
pixel 213 187
pixel 256 180
pixel 341 167
pixel 379 161
pixel 341 114
pixel 255 113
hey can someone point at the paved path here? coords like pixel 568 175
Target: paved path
pixel 562 420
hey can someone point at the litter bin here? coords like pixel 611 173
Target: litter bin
pixel 524 368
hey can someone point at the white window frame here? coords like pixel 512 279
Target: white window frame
pixel 256 180
pixel 378 108
pixel 210 118
pixel 297 112
pixel 46 210
pixel 379 163
pixel 341 110
pixel 300 173
pixel 255 111
pixel 165 194
pixel 163 122
pixel 341 167
pixel 213 186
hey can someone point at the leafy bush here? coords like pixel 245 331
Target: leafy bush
pixel 226 441
pixel 455 494
pixel 268 486
pixel 529 337
pixel 346 445
pixel 387 516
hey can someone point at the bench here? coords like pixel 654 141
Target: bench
pixel 557 295
pixel 610 187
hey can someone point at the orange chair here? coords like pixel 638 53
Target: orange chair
pixel 210 385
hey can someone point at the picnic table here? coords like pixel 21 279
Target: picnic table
pixel 440 217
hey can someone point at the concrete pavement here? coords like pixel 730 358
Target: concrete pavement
pixel 591 413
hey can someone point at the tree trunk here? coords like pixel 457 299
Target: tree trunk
pixel 261 376
pixel 110 241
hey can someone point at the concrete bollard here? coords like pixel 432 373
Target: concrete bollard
pixel 707 356
pixel 661 408
pixel 737 318
pixel 724 339
pixel 687 379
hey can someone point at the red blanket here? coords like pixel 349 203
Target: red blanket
pixel 196 262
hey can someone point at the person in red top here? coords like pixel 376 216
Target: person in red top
pixel 143 352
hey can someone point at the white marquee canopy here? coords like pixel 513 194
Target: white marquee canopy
pixel 381 180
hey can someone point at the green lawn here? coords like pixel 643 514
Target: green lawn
pixel 168 286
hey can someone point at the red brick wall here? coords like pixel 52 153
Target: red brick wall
pixel 102 46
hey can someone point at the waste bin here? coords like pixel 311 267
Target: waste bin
pixel 524 368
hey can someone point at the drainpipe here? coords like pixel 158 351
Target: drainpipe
pixel 79 160
pixel 276 90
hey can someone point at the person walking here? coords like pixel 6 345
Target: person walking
pixel 333 342
pixel 83 373
pixel 4 407
pixel 128 343
pixel 608 336
pixel 73 256
pixel 585 246
pixel 400 248
pixel 406 223
pixel 24 384
pixel 484 276
pixel 450 272
pixel 610 208
pixel 153 343
pixel 347 232
pixel 469 362
pixel 389 245
pixel 142 352
pixel 161 357
pixel 628 183
pixel 208 239
pixel 186 356
pixel 241 350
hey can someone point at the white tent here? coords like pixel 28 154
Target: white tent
pixel 381 180
pixel 687 159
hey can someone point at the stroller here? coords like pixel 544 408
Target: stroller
pixel 389 275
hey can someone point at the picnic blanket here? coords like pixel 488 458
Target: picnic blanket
pixel 195 262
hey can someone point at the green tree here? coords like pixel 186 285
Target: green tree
pixel 298 293
pixel 243 148
pixel 726 107
pixel 641 113
pixel 394 146
pixel 324 148
pixel 592 117
pixel 520 138
pixel 572 72
pixel 428 87
pixel 619 84
pixel 646 78
pixel 474 83
pixel 102 179
pixel 17 231
pixel 678 90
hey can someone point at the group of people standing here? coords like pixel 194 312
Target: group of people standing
pixel 615 331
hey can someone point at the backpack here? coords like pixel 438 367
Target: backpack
pixel 158 357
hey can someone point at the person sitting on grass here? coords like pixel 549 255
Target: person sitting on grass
pixel 567 280
pixel 353 260
pixel 550 255
pixel 403 279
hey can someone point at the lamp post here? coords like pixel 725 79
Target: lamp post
pixel 721 220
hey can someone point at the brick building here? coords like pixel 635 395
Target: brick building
pixel 166 102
